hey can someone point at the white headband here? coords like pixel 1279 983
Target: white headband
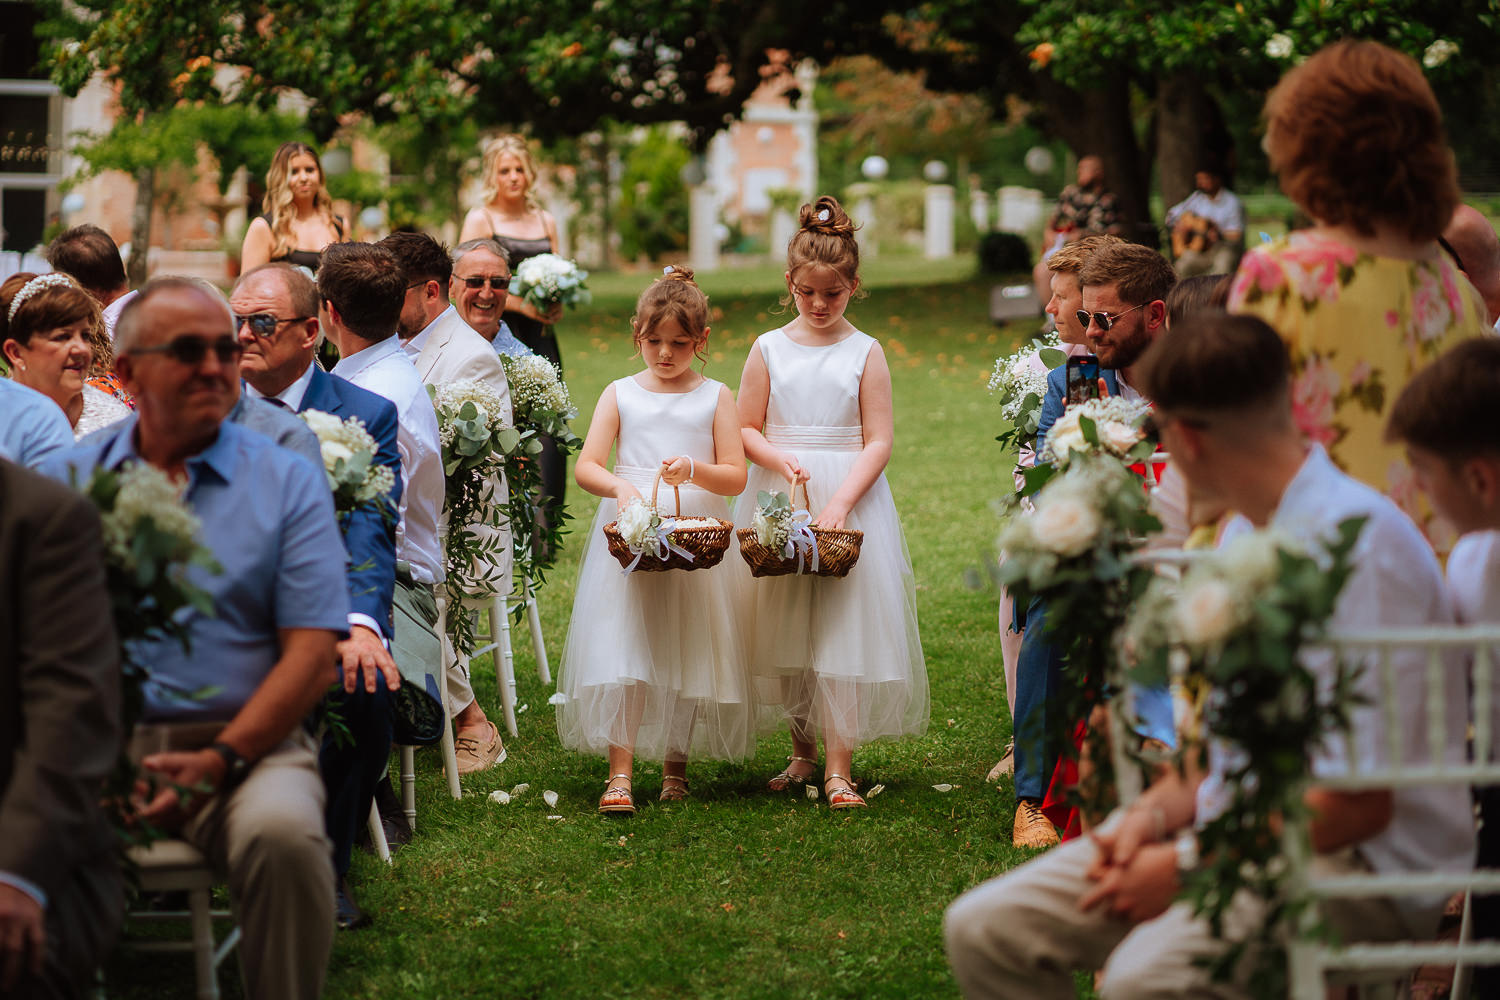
pixel 37 284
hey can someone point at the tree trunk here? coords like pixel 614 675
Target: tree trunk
pixel 1184 117
pixel 1099 122
pixel 140 226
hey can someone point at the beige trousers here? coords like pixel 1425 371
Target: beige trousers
pixel 267 839
pixel 1022 935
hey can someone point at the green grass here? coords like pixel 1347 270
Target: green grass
pixel 737 892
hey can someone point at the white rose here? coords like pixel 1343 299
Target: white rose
pixel 1118 437
pixel 333 453
pixel 635 523
pixel 322 424
pixel 1205 613
pixel 1279 46
pixel 1065 525
pixel 1253 558
pixel 1066 436
pixel 765 529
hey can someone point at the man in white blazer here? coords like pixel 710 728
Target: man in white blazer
pixel 446 349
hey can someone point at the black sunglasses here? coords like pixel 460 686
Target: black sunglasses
pixel 190 350
pixel 1105 320
pixel 265 324
pixel 495 281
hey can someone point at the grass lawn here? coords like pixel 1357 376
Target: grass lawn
pixel 736 892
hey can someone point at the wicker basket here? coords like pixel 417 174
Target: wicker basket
pixel 838 550
pixel 707 544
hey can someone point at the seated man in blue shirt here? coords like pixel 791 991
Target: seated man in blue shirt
pixel 263 658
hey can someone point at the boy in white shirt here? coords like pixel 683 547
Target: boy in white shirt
pixel 1445 418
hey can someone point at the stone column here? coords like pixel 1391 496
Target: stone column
pixel 937 222
pixel 979 210
pixel 783 228
pixel 703 241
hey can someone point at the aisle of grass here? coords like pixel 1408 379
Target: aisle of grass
pixel 737 892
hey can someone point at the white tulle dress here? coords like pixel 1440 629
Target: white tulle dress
pixel 842 653
pixel 664 645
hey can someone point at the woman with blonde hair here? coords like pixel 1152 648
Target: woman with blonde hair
pixel 298 222
pixel 1366 297
pixel 512 217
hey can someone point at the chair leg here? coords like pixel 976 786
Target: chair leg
pixel 377 835
pixel 538 646
pixel 450 756
pixel 203 945
pixel 505 662
pixel 409 786
pixel 1461 972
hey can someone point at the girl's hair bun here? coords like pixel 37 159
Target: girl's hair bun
pixel 678 272
pixel 826 215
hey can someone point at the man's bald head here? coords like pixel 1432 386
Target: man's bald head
pixel 1472 241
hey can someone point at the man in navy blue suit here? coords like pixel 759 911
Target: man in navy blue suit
pixel 1124 310
pixel 276 317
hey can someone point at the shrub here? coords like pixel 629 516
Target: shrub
pixel 1003 253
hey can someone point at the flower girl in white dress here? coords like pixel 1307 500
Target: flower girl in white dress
pixel 654 663
pixel 841 657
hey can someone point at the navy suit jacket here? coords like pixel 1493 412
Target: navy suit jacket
pixel 1057 394
pixel 369 537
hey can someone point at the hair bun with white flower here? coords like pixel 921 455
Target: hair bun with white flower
pixel 677 272
pixel 827 216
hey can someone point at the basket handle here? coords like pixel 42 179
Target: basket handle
pixel 806 503
pixel 676 494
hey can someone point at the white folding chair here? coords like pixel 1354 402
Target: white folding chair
pixel 409 753
pixel 498 642
pixel 1382 964
pixel 177 866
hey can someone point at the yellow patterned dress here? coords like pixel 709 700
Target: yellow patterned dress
pixel 1358 328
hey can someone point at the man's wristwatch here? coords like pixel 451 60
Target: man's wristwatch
pixel 1186 846
pixel 235 766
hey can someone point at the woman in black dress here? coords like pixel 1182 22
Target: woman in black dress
pixel 512 217
pixel 299 221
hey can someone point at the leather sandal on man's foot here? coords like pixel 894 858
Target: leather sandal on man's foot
pixel 617 799
pixel 674 788
pixel 789 778
pixel 843 795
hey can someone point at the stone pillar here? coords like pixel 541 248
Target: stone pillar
pixel 1021 209
pixel 703 240
pixel 862 196
pixel 783 228
pixel 979 209
pixel 937 222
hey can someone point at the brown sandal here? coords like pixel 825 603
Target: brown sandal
pixel 617 800
pixel 787 779
pixel 675 792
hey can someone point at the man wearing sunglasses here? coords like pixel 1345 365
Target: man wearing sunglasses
pixel 226 714
pixel 1124 310
pixel 479 279
pixel 275 315
pixel 444 348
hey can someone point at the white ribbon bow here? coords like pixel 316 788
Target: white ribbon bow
pixel 801 540
pixel 660 546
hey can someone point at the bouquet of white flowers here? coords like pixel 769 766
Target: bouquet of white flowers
pixel 1020 380
pixel 547 280
pixel 151 538
pixel 536 387
pixel 349 462
pixel 1236 625
pixel 475 440
pixel 1112 426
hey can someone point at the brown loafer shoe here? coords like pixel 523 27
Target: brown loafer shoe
pixel 477 749
pixel 1032 829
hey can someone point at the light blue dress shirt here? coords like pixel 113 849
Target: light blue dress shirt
pixel 32 426
pixel 268 519
pixel 507 344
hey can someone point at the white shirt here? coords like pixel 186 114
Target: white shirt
pixel 1474 585
pixel 113 310
pixel 292 394
pixel 384 370
pixel 1396 581
pixel 413 347
pixel 1223 210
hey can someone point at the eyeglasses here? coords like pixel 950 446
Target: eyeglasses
pixel 498 282
pixel 265 324
pixel 190 350
pixel 1104 319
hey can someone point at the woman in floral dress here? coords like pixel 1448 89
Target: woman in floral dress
pixel 1365 298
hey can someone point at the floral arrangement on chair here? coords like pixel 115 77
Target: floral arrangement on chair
pixel 542 406
pixel 1021 387
pixel 349 454
pixel 1239 620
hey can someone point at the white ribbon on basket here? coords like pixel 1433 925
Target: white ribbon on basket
pixel 659 547
pixel 801 540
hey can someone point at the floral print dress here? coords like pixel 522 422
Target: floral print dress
pixel 1358 328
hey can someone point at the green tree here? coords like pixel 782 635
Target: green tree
pixel 651 215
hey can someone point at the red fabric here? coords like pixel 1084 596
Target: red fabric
pixel 1055 805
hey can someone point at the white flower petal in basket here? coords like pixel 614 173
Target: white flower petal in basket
pixel 550 797
pixel 519 789
pixel 812 791
pixel 500 797
pixel 874 791
pixel 558 699
pixel 944 787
